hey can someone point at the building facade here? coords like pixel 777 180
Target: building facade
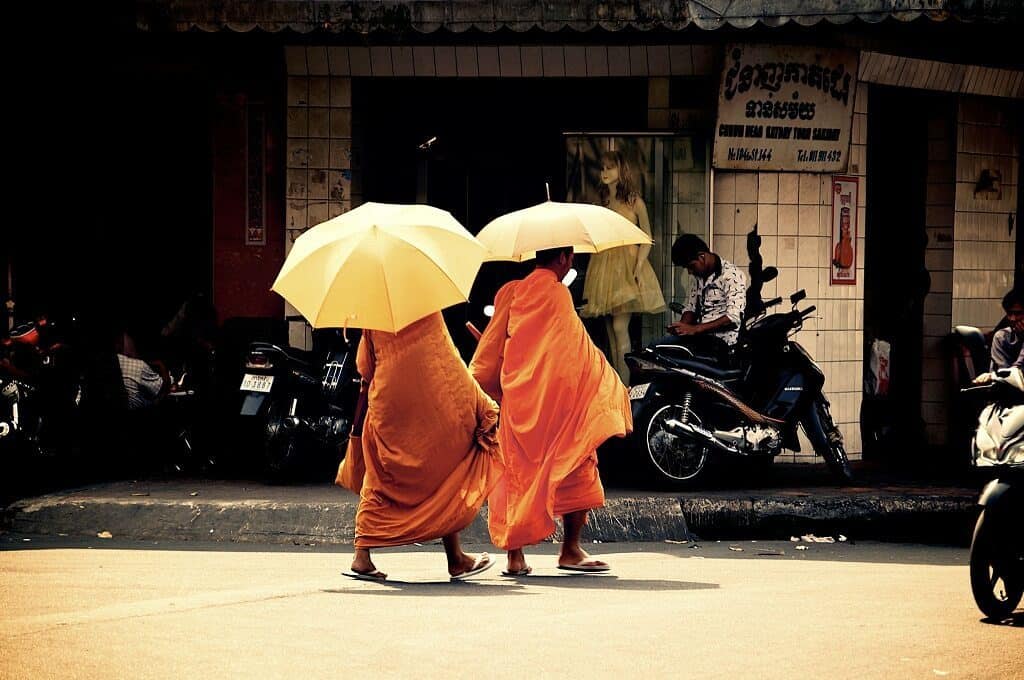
pixel 900 224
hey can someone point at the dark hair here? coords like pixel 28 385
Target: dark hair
pixel 686 248
pixel 551 254
pixel 1014 297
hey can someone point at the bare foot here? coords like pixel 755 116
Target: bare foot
pixel 517 562
pixel 362 564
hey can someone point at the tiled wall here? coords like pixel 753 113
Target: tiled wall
pixel 983 253
pixel 319 159
pixel 938 304
pixel 793 214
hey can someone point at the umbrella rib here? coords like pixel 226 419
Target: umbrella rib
pixel 384 274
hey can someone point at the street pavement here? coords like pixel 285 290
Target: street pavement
pixel 791 500
pixel 95 608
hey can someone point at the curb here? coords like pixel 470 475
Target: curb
pixel 944 517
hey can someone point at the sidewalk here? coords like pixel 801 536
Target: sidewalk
pixel 801 499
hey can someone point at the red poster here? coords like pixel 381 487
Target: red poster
pixel 844 230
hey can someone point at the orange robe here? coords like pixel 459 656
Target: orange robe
pixel 428 441
pixel 560 399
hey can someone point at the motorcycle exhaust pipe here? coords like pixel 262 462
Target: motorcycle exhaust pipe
pixel 681 429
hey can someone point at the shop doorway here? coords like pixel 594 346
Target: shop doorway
pixel 480 148
pixel 895 274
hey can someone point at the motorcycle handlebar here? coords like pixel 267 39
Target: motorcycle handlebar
pixel 771 303
pixel 808 311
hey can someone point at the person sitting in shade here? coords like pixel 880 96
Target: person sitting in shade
pixel 560 399
pixel 423 456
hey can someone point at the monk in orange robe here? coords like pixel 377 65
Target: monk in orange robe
pixel 560 399
pixel 427 456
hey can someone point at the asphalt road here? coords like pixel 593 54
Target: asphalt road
pixel 104 609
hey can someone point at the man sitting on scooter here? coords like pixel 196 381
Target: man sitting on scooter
pixel 1008 341
pixel 711 316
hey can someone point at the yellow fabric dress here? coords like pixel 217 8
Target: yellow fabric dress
pixel 610 287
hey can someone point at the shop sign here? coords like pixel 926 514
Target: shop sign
pixel 785 108
pixel 844 230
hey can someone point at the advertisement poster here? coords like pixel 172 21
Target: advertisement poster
pixel 844 230
pixel 785 108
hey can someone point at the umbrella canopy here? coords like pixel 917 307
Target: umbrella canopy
pixel 588 228
pixel 380 266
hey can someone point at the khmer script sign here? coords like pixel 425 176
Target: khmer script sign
pixel 785 108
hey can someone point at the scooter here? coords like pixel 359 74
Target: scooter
pixel 690 408
pixel 304 401
pixel 997 547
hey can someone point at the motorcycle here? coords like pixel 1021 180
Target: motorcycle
pixel 304 402
pixel 40 390
pixel 689 408
pixel 997 547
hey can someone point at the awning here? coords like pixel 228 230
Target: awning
pixel 427 16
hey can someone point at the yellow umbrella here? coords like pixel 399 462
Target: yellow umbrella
pixel 518 235
pixel 380 266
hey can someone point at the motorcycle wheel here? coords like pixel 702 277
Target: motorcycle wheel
pixel 835 456
pixel 280 449
pixel 996 590
pixel 671 461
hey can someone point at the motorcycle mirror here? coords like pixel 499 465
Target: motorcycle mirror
pixel 570 276
pixel 769 274
pixel 489 311
pixel 798 296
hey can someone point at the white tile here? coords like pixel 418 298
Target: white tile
pixel 319 121
pixel 746 187
pixel 788 221
pixel 767 219
pixel 725 187
pixel 789 188
pixel 746 217
pixel 767 187
pixel 298 91
pixel 808 221
pixel 725 220
pixel 341 92
pixel 810 190
pixel 787 253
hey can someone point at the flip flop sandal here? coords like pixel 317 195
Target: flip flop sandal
pixel 526 571
pixel 482 564
pixel 375 575
pixel 586 566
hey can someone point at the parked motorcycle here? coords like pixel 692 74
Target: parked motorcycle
pixel 304 401
pixel 40 391
pixel 997 548
pixel 689 408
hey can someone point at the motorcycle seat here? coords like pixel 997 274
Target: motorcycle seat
pixel 298 355
pixel 681 357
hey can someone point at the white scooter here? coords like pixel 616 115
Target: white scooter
pixel 997 549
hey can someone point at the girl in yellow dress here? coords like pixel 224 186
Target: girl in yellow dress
pixel 621 281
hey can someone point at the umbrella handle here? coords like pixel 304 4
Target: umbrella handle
pixel 473 330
